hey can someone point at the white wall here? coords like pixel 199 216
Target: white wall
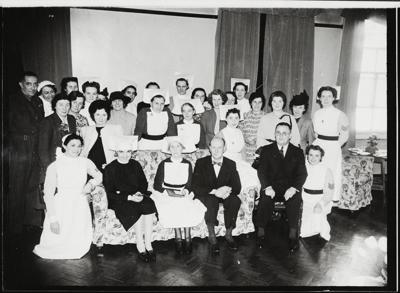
pixel 119 48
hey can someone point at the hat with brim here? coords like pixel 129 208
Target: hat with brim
pixel 124 143
pixel 188 147
pixel 43 84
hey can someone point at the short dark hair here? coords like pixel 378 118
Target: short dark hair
pixel 157 96
pixel 98 105
pixel 152 83
pixel 256 95
pixel 219 93
pixel 190 105
pixel 232 111
pixel 315 148
pixel 277 94
pixel 70 137
pixel 27 73
pixel 246 88
pixel 50 86
pixel 284 124
pixel 327 88
pixel 66 80
pixel 199 89
pixel 233 94
pixel 182 79
pixel 127 87
pixel 72 96
pixel 94 84
pixel 59 97
pixel 119 96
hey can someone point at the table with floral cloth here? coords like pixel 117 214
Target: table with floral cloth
pixel 108 229
pixel 357 177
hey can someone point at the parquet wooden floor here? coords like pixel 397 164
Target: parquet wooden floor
pixel 343 261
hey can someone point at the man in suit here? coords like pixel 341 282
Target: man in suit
pixel 25 113
pixel 215 181
pixel 282 173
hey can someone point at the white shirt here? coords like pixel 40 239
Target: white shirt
pixel 284 149
pixel 217 168
pixel 46 107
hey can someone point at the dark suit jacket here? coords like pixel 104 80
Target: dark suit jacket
pixel 208 120
pixel 204 179
pixel 50 136
pixel 282 173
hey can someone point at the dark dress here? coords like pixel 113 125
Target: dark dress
pixel 121 180
pixel 96 153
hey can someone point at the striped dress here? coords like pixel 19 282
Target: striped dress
pixel 249 127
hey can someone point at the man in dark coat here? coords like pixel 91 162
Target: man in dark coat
pixel 215 181
pixel 25 113
pixel 282 173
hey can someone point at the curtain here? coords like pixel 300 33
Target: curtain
pixel 349 66
pixel 289 53
pixel 39 40
pixel 237 42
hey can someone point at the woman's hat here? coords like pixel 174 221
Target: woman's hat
pixel 188 147
pixel 124 143
pixel 43 84
pixel 301 99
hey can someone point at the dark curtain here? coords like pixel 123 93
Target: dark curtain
pixel 237 46
pixel 351 54
pixel 39 40
pixel 289 52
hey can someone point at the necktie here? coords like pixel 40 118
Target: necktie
pixel 217 163
pixel 281 151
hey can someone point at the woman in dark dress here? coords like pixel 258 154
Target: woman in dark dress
pixel 126 187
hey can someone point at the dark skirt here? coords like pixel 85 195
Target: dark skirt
pixel 128 213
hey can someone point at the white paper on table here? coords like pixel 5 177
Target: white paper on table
pixel 224 108
pixel 234 80
pixel 178 102
pixel 190 133
pixel 148 94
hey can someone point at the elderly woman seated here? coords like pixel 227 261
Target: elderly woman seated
pixel 126 187
pixel 173 195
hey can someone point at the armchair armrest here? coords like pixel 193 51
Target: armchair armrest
pixel 100 206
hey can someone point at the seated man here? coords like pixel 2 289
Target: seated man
pixel 282 173
pixel 216 180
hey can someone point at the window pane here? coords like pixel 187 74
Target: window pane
pixel 381 61
pixel 379 120
pixel 363 119
pixel 365 90
pixel 368 62
pixel 380 93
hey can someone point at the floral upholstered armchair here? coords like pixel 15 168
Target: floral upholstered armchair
pixel 108 229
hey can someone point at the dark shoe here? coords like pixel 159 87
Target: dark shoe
pixel 293 245
pixel 151 255
pixel 188 247
pixel 215 248
pixel 260 241
pixel 232 244
pixel 143 257
pixel 179 247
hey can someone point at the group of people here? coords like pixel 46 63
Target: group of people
pixel 59 140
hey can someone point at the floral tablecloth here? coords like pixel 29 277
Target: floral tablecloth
pixel 108 229
pixel 357 177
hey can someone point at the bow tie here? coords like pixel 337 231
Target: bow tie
pixel 217 163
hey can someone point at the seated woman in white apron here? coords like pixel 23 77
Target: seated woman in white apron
pixel 154 124
pixel 172 194
pixel 317 195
